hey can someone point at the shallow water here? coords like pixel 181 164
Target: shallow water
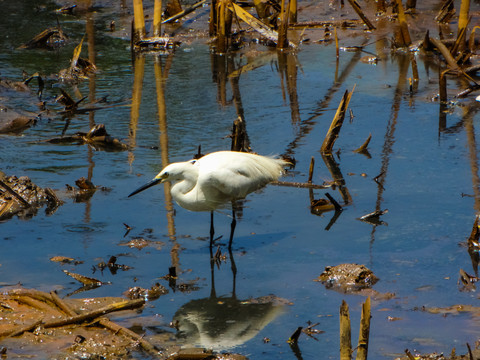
pixel 279 246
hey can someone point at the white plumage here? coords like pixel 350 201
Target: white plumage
pixel 217 178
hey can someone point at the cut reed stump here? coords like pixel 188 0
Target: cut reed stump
pixel 364 333
pixel 345 333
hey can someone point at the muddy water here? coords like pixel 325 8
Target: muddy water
pixel 428 165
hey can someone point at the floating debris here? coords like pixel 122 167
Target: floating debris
pixel 85 280
pixel 153 293
pixel 98 138
pixel 20 196
pixel 347 278
pixel 50 39
pixel 374 217
pixel 65 260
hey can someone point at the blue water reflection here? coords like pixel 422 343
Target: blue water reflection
pixel 279 246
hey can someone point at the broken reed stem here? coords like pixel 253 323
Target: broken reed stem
pixel 95 313
pixel 118 329
pixel 157 18
pixel 446 12
pixel 364 146
pixel 360 13
pixel 402 19
pixel 61 304
pixel 445 52
pixel 138 21
pixel 310 170
pixel 336 125
pixel 294 337
pixel 41 305
pixel 364 333
pixel 345 333
pixel 185 12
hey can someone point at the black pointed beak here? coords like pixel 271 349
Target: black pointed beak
pixel 146 186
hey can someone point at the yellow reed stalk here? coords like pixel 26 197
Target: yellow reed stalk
pixel 462 23
pixel 138 21
pixel 157 18
pixel 402 19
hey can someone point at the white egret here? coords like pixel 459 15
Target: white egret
pixel 217 178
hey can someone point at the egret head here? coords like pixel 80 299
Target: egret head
pixel 172 172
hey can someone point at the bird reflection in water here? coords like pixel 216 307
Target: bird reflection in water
pixel 222 323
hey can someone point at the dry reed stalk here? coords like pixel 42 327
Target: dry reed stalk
pixel 402 19
pixel 345 333
pixel 282 29
pixel 212 22
pixel 336 125
pixel 138 21
pixel 360 13
pixel 364 333
pixel 157 18
pixel 446 12
pixel 256 24
pixel 221 28
pixel 463 20
pixel 292 8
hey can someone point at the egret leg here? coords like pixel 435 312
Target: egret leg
pixel 212 231
pixel 232 229
pixel 230 252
